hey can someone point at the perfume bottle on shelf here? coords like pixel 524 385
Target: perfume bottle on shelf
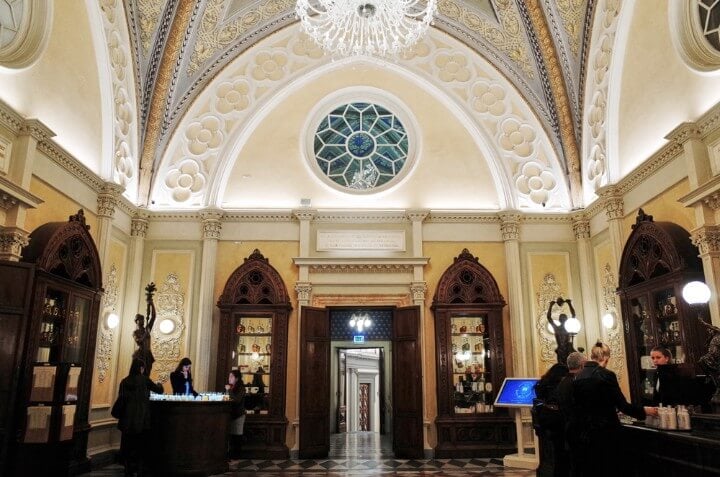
pixel 479 327
pixel 463 327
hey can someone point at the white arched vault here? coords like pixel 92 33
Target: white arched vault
pixel 525 169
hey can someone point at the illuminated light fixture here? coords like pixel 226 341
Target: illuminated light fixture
pixel 572 325
pixel 608 320
pixel 112 321
pixel 380 28
pixel 360 322
pixel 167 326
pixel 696 293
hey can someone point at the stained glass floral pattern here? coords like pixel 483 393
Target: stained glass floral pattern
pixel 360 146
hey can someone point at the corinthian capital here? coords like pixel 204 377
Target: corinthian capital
pixel 707 239
pixel 510 226
pixel 418 290
pixel 108 198
pixel 139 224
pixel 12 240
pixel 581 228
pixel 303 290
pixel 212 223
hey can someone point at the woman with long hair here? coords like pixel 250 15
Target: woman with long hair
pixel 236 390
pixel 181 378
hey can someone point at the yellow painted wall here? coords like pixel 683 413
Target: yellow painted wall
pixel 56 208
pixel 665 208
pixel 182 264
pixel 102 387
pixel 540 265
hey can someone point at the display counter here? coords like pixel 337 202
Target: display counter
pixel 189 438
pixel 649 452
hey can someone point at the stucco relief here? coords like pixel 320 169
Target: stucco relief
pixel 244 89
pixel 123 87
pixel 549 291
pixel 170 305
pixel 150 14
pixel 536 182
pixel 103 356
pixel 572 15
pixel 596 108
pixel 614 338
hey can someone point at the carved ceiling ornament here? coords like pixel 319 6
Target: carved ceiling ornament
pixel 193 165
pixel 103 355
pixel 170 305
pixel 125 140
pixel 549 291
pixel 595 147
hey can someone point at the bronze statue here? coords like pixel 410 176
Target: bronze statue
pixel 710 361
pixel 562 337
pixel 144 326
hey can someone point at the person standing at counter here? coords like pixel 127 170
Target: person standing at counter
pixel 181 379
pixel 134 420
pixel 236 389
pixel 594 427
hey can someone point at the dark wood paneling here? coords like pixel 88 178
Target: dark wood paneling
pixel 314 383
pixel 407 384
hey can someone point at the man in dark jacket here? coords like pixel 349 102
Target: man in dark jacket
pixel 134 420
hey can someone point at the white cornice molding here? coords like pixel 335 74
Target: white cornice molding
pixel 10 118
pixel 361 216
pixel 11 195
pixel 355 265
pixel 708 192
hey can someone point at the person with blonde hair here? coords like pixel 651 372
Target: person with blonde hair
pixel 594 427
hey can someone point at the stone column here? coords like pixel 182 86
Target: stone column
pixel 614 212
pixel 16 198
pixel 106 202
pixel 707 240
pixel 510 229
pixel 212 225
pixel 134 291
pixel 590 319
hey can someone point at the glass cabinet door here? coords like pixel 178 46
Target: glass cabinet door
pixel 472 379
pixel 77 318
pixel 52 325
pixel 669 329
pixel 644 341
pixel 252 353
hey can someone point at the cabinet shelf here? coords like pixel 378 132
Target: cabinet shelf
pixel 254 334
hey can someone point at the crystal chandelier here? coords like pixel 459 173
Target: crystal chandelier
pixel 365 27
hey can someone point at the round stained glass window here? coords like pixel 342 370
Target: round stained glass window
pixel 360 146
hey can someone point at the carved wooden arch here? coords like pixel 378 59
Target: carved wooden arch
pixel 655 249
pixel 467 281
pixel 255 282
pixel 67 250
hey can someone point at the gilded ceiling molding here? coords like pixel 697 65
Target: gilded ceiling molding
pixel 158 104
pixel 562 103
pixel 150 12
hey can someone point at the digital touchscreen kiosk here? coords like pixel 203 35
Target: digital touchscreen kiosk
pixel 516 392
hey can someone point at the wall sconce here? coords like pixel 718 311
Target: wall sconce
pixel 608 320
pixel 360 322
pixel 167 326
pixel 112 320
pixel 696 293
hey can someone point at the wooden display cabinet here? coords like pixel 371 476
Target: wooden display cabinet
pixel 659 259
pixel 470 363
pixel 52 345
pixel 254 311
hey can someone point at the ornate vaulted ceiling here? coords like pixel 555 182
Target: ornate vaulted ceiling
pixel 180 46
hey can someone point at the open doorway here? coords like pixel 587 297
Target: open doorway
pixel 326 330
pixel 360 400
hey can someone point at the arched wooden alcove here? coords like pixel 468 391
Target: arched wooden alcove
pixel 254 311
pixel 468 320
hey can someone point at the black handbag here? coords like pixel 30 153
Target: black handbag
pixel 118 409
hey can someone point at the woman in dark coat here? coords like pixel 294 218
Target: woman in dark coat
pixel 181 378
pixel 594 428
pixel 549 421
pixel 236 389
pixel 134 419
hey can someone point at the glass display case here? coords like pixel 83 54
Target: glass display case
pixel 254 352
pixel 254 311
pixel 472 367
pixel 468 311
pixel 658 260
pixel 53 342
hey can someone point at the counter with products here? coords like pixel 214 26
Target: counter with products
pixel 189 436
pixel 651 452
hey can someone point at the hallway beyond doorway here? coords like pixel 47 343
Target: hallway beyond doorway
pixel 360 445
